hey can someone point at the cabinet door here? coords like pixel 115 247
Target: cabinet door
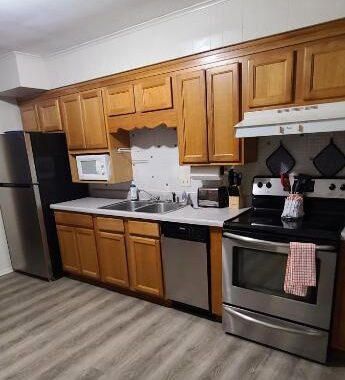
pixel 87 249
pixel 192 128
pixel 68 249
pixel 112 258
pixel 324 70
pixel 49 115
pixel 119 99
pixel 153 94
pixel 93 119
pixel 146 265
pixel 72 121
pixel 223 106
pixel 29 118
pixel 269 79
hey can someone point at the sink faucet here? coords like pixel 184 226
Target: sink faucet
pixel 152 197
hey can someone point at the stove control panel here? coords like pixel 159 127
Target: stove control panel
pixel 317 188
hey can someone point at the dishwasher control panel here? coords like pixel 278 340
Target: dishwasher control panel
pixel 185 231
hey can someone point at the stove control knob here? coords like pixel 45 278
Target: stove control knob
pixel 260 184
pixel 332 186
pixel 342 187
pixel 268 185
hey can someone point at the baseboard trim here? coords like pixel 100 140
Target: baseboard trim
pixel 6 271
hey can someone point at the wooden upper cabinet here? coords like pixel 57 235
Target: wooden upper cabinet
pixel 87 249
pixel 146 265
pixel 68 249
pixel 49 115
pixel 119 99
pixel 72 121
pixel 269 79
pixel 223 106
pixel 153 94
pixel 93 119
pixel 324 70
pixel 112 258
pixel 29 118
pixel 191 108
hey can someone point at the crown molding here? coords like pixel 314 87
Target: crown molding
pixel 155 21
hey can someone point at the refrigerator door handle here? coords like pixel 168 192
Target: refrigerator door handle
pixel 15 185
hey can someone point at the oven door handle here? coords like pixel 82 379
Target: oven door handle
pixel 247 318
pixel 272 243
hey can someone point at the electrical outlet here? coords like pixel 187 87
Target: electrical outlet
pixel 184 177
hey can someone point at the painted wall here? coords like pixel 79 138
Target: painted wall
pixel 218 24
pixel 9 121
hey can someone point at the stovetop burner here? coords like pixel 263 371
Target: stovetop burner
pixel 323 221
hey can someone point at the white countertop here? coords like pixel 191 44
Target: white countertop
pixel 202 216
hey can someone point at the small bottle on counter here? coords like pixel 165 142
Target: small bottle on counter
pixel 235 196
pixel 134 193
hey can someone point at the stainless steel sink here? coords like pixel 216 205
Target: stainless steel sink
pixel 160 207
pixel 155 207
pixel 126 205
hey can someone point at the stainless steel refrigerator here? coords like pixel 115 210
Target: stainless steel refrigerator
pixel 34 173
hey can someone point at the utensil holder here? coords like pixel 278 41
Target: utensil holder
pixel 293 207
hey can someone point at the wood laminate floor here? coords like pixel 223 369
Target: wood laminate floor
pixel 70 330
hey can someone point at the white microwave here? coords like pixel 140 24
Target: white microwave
pixel 93 167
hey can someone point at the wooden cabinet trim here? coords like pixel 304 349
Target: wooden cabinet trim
pixel 216 270
pixel 94 120
pixel 49 115
pixel 153 94
pixel 109 224
pixel 86 243
pixel 285 57
pixel 73 219
pixel 157 274
pixel 229 113
pixel 123 106
pixel 136 227
pixel 30 118
pixel 113 261
pixel 73 122
pixel 312 52
pixel 68 250
pixel 191 106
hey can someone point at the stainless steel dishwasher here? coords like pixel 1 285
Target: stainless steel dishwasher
pixel 185 250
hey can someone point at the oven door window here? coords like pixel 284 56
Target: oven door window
pixel 264 272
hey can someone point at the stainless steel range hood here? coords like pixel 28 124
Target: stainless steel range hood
pixel 327 117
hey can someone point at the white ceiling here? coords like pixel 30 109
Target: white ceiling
pixel 46 26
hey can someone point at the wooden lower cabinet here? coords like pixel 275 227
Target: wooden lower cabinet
pixel 145 265
pixel 112 258
pixel 68 249
pixel 87 249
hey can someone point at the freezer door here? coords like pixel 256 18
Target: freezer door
pixel 14 166
pixel 23 230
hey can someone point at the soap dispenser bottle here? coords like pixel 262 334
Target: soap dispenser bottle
pixel 134 192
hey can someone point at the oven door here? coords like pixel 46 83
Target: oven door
pixel 253 278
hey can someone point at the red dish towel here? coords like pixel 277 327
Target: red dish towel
pixel 300 269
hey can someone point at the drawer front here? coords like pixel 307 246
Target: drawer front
pixel 109 224
pixel 143 228
pixel 73 219
pixel 297 339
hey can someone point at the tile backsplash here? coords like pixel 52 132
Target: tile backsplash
pixel 302 147
pixel 156 167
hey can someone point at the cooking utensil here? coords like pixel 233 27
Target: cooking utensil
pixel 284 179
pixel 330 160
pixel 280 161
